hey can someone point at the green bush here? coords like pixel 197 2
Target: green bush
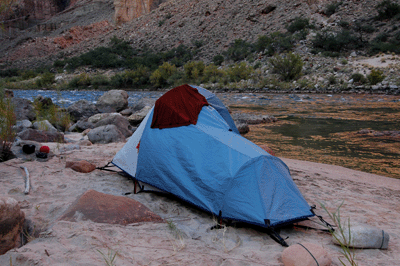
pixel 45 79
pixel 159 78
pixel 276 42
pixel 331 8
pixel 178 56
pixel 28 74
pixel 335 41
pixel 387 9
pixel 375 76
pixel 218 59
pixel 358 78
pixel 82 80
pixel 239 50
pixel 298 24
pixel 99 80
pixel 288 66
pixel 213 74
pixel 12 72
pixel 239 71
pixel 194 70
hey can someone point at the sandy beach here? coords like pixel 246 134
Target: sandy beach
pixel 185 238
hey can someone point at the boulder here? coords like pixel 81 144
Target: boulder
pixel 82 109
pixel 43 102
pixel 81 125
pixel 41 136
pixel 112 101
pixel 44 125
pixel 22 124
pixel 126 112
pixel 300 255
pixel 97 117
pixel 23 109
pixel 11 224
pixel 243 128
pixel 363 236
pixel 138 117
pixel 119 121
pixel 105 134
pixel 81 166
pixel 104 208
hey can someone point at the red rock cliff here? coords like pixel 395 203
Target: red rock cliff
pixel 126 10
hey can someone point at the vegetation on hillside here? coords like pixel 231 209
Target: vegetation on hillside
pixel 270 60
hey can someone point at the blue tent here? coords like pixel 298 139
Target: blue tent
pixel 207 163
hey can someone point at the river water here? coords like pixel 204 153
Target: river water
pixel 315 127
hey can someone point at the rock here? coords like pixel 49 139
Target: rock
pixel 41 136
pixel 23 109
pixel 97 117
pixel 105 134
pixel 84 142
pixel 119 121
pixel 44 125
pixel 81 166
pixel 82 109
pixel 43 102
pixel 127 10
pixel 243 128
pixel 11 223
pixel 112 101
pixel 126 112
pixel 364 236
pixel 22 124
pixel 81 125
pixel 138 117
pixel 104 208
pixel 299 255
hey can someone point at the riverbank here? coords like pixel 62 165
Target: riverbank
pixel 366 198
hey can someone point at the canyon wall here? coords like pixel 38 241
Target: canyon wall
pixel 126 10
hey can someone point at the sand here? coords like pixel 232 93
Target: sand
pixel 186 238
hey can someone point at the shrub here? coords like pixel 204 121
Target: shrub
pixel 193 70
pixel 298 24
pixel 46 79
pixel 344 24
pixel 28 74
pixel 239 71
pixel 332 80
pixel 159 78
pixel 239 50
pixel 387 9
pixel 276 42
pixel 44 111
pixel 12 72
pixel 331 8
pixel 358 78
pixel 7 134
pixel 213 74
pixel 218 59
pixel 335 42
pixel 100 80
pixel 375 76
pixel 80 81
pixel 288 66
pixel 178 56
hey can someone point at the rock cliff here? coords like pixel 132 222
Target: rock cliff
pixel 126 10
